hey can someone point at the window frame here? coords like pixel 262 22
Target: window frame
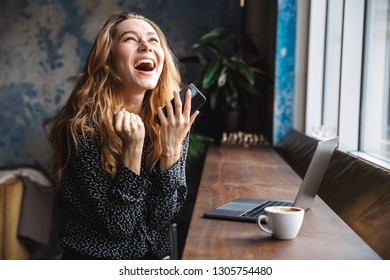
pixel 350 76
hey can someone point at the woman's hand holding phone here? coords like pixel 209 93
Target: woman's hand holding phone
pixel 197 100
pixel 174 128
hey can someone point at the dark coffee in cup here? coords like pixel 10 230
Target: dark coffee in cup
pixel 286 210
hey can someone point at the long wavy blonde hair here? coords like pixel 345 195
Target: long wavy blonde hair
pixel 95 97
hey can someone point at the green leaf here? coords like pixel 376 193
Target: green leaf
pixel 231 97
pixel 198 144
pixel 217 34
pixel 222 77
pixel 244 69
pixel 246 86
pixel 202 60
pixel 211 72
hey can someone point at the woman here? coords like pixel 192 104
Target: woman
pixel 122 176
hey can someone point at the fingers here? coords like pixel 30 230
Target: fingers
pixel 179 112
pixel 187 105
pixel 178 104
pixel 127 121
pixel 133 121
pixel 137 121
pixel 118 120
pixel 169 109
pixel 180 108
pixel 193 117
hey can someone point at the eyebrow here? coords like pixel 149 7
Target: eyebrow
pixel 135 33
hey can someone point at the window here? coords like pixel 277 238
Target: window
pixel 375 131
pixel 332 67
pixel 348 84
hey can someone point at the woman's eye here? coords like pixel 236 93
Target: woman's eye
pixel 130 39
pixel 155 40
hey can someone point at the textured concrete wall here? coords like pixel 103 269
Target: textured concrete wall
pixel 45 42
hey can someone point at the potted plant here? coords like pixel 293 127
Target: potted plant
pixel 226 78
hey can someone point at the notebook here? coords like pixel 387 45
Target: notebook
pixel 249 209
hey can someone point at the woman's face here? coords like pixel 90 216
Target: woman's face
pixel 138 55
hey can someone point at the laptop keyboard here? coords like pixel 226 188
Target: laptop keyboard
pixel 258 210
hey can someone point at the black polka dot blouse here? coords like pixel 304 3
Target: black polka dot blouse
pixel 125 218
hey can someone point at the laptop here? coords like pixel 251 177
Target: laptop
pixel 250 209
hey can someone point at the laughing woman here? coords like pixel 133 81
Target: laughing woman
pixel 121 175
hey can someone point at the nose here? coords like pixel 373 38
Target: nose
pixel 144 46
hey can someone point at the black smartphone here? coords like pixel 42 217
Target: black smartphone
pixel 197 100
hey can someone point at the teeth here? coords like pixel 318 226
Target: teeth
pixel 139 62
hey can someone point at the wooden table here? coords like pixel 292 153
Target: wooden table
pixel 232 171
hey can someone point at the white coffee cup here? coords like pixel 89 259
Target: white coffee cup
pixel 283 222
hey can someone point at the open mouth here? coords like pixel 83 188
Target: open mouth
pixel 144 65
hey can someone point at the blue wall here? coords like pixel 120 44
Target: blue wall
pixel 284 69
pixel 45 42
